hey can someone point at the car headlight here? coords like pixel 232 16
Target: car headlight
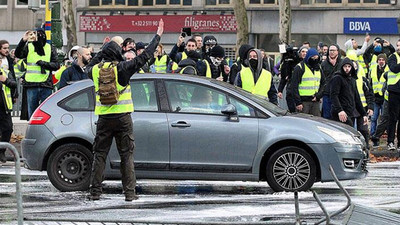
pixel 340 137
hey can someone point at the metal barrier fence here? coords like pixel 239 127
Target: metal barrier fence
pixel 18 179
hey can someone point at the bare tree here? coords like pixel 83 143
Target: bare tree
pixel 69 16
pixel 285 21
pixel 242 35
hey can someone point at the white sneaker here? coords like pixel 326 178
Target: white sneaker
pixel 391 147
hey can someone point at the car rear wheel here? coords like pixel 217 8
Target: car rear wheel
pixel 291 169
pixel 69 167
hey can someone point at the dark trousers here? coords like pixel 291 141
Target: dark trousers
pixel 35 96
pixel 335 117
pixel 6 127
pixel 326 107
pixel 122 129
pixel 311 108
pixel 290 101
pixel 382 121
pixel 362 128
pixel 394 115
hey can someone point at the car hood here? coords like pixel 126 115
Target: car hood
pixel 325 122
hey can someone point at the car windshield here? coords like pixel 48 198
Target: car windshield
pixel 276 110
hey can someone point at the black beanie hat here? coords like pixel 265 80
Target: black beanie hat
pixel 217 51
pixel 244 50
pixel 140 45
pixel 209 40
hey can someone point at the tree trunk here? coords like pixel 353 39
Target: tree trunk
pixel 285 22
pixel 69 16
pixel 242 35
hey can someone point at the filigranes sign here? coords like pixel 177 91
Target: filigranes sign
pixel 149 23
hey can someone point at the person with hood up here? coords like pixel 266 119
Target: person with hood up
pixel 352 44
pixel 214 65
pixel 329 67
pixel 255 79
pixel 307 84
pixel 115 120
pixel 41 61
pixel 346 103
pixel 209 42
pixel 240 61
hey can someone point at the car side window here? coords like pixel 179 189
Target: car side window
pixel 144 96
pixel 242 109
pixel 79 101
pixel 192 98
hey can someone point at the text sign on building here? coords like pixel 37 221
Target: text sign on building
pixel 149 23
pixel 370 25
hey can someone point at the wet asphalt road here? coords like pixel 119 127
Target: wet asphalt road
pixel 195 202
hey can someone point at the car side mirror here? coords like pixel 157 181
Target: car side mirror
pixel 231 111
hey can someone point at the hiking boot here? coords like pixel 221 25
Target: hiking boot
pixel 3 157
pixel 93 197
pixel 129 198
pixel 391 147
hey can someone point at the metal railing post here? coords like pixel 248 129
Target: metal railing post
pixel 17 178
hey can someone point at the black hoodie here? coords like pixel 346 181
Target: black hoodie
pixel 344 92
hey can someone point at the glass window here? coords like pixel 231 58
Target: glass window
pixel 119 2
pixel 223 1
pixel 269 1
pixel 322 1
pixel 20 3
pixel 147 2
pixel 306 2
pixel 3 2
pixel 369 1
pixel 94 2
pixel 187 2
pixel 106 2
pixel 211 2
pixel 133 2
pixel 255 1
pixel 384 2
pixel 175 2
pixel 335 1
pixel 192 98
pixel 144 96
pixel 354 1
pixel 242 109
pixel 80 101
pixel 161 2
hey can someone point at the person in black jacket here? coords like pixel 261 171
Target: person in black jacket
pixel 76 71
pixel 377 47
pixel 344 95
pixel 115 120
pixel 237 66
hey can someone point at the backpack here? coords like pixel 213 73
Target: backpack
pixel 108 91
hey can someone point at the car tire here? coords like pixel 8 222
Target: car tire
pixel 290 169
pixel 69 167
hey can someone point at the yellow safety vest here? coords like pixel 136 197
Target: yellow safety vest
pixel 6 92
pixel 34 71
pixel 310 82
pixel 377 85
pixel 184 56
pixel 58 73
pixel 386 96
pixel 208 71
pixel 261 87
pixel 393 78
pixel 160 65
pixel 124 103
pixel 361 62
pixel 360 89
pixel 373 62
pixel 19 68
pixel 174 67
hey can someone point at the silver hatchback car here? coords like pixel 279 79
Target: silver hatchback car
pixel 189 127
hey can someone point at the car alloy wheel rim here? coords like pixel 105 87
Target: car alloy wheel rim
pixel 291 171
pixel 72 167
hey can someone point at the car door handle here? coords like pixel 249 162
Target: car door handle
pixel 180 124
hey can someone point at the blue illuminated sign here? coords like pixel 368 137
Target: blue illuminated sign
pixel 370 25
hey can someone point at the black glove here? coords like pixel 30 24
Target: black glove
pixel 40 63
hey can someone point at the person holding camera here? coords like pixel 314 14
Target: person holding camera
pixel 189 54
pixel 41 60
pixel 377 47
pixel 307 84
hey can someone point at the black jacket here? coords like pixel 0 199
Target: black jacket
pixel 329 70
pixel 22 52
pixel 12 84
pixel 344 93
pixel 394 66
pixel 72 73
pixel 369 52
pixel 296 80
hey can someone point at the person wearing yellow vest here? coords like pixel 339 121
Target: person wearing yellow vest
pixel 394 96
pixel 41 60
pixel 352 44
pixel 160 61
pixel 307 84
pixel 255 79
pixel 115 120
pixel 377 47
pixel 7 83
pixel 180 51
pixel 344 95
pixel 377 79
pixel 215 68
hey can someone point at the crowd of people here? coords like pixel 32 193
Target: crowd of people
pixel 349 85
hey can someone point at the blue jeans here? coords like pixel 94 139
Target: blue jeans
pixel 326 107
pixel 375 116
pixel 35 96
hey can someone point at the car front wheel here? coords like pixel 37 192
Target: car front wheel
pixel 291 169
pixel 69 167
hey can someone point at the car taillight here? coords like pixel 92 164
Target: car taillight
pixel 39 117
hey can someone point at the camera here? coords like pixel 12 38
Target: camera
pixel 291 54
pixel 186 31
pixel 32 36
